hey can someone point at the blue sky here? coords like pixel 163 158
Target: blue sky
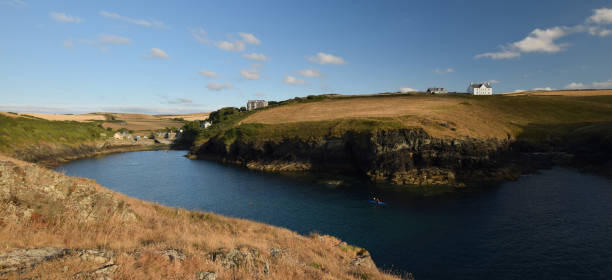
pixel 192 56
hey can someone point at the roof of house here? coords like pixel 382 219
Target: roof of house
pixel 480 85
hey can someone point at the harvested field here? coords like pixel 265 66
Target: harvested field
pixel 564 93
pixel 499 116
pixel 64 117
pixel 186 117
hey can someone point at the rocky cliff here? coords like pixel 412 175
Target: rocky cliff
pixel 401 156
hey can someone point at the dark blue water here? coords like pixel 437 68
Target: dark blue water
pixel 552 225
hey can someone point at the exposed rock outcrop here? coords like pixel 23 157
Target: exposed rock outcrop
pixel 402 156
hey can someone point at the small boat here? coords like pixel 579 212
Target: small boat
pixel 377 202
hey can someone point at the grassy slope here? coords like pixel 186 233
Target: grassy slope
pixel 40 207
pixel 20 132
pixel 529 117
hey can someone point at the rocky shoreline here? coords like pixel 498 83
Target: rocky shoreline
pixel 401 157
pixel 52 155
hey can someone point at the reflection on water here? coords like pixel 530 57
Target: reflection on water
pixel 552 225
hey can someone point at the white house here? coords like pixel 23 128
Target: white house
pixel 205 124
pixel 255 104
pixel 480 89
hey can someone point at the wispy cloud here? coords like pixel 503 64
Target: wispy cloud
pixel 62 17
pixel 594 85
pixel 293 80
pixel 156 53
pixel 236 45
pixel 218 87
pixel 444 71
pixel 255 56
pixel 310 73
pixel 208 74
pixel 325 58
pixel 75 109
pixel 407 89
pixel 251 74
pixel 14 3
pixel 105 40
pixel 141 22
pixel 178 101
pixel 199 35
pixel 69 44
pixel 249 38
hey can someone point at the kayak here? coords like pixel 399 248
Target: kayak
pixel 377 202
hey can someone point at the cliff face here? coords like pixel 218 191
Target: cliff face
pixel 402 156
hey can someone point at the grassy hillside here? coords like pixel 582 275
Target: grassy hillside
pixel 57 227
pixel 527 116
pixel 19 132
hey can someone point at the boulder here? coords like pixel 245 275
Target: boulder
pixel 26 258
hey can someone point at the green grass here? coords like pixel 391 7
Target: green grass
pixel 21 131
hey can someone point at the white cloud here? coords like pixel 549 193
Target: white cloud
pixel 594 85
pixel 157 53
pixel 310 73
pixel 407 89
pixel 199 35
pixel 294 81
pixel 218 87
pixel 255 56
pixel 601 16
pixel 444 71
pixel 209 74
pixel 236 46
pixel 325 58
pixel 544 89
pixel 251 74
pixel 574 85
pixel 141 22
pixel 545 40
pixel 249 38
pixel 542 40
pixel 62 17
pixel 599 31
pixel 499 55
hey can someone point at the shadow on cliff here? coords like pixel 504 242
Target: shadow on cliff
pixel 585 145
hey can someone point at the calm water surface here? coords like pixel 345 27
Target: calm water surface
pixel 552 225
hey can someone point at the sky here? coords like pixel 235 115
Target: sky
pixel 165 57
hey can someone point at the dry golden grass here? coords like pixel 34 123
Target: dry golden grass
pixel 63 117
pixel 141 122
pixel 420 110
pixel 187 117
pixel 600 92
pixel 448 116
pixel 137 242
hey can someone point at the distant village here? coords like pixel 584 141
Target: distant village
pixel 473 89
